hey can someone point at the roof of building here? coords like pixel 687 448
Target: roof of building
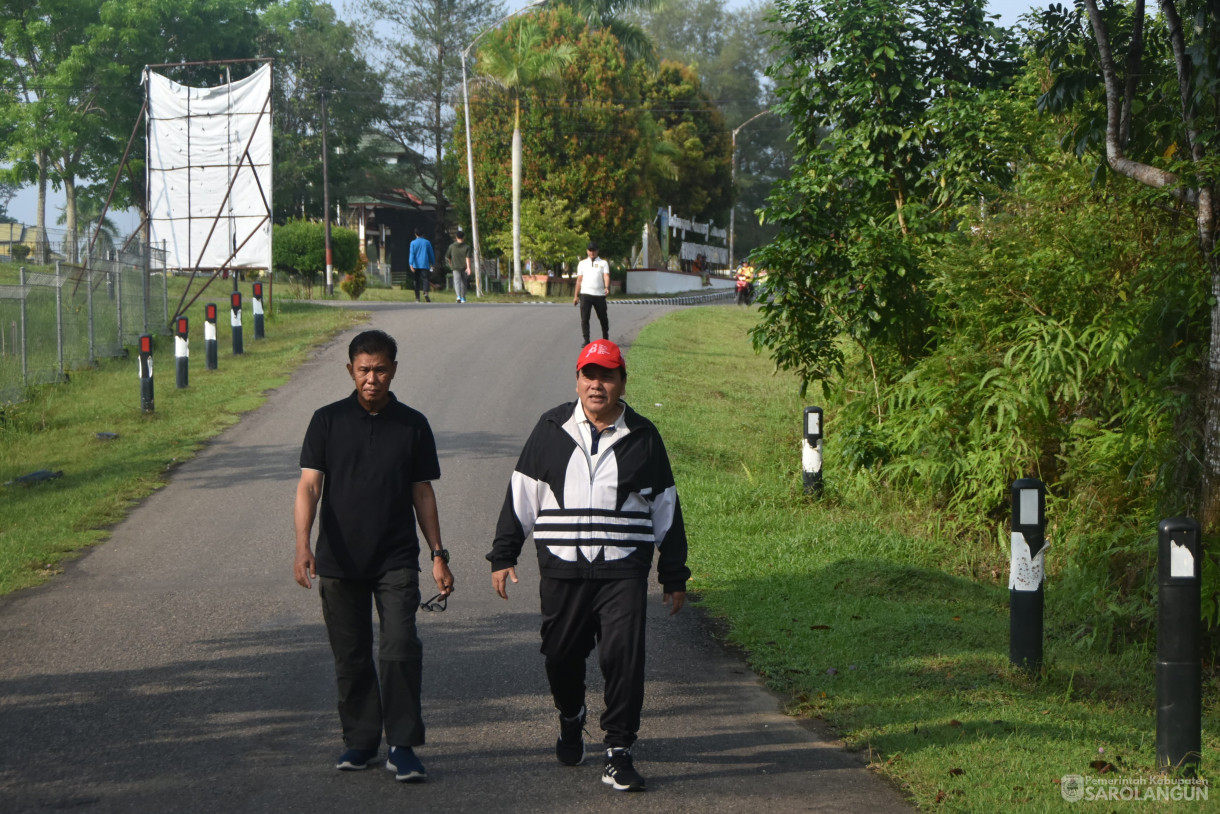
pixel 12 232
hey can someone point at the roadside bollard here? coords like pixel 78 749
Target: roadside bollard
pixel 257 305
pixel 1025 592
pixel 811 451
pixel 181 351
pixel 1179 674
pixel 146 373
pixel 235 321
pixel 209 335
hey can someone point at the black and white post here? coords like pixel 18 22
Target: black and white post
pixel 146 373
pixel 209 336
pixel 257 305
pixel 182 352
pixel 235 321
pixel 811 451
pixel 1179 672
pixel 1025 578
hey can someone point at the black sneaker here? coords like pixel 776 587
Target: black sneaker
pixel 619 773
pixel 570 748
pixel 355 760
pixel 406 766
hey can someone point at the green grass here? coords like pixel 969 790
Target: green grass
pixel 860 619
pixel 54 429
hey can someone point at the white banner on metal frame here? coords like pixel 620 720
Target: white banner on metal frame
pixel 197 140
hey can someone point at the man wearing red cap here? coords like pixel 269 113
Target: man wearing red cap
pixel 594 486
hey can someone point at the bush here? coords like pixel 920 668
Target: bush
pixel 299 248
pixel 20 252
pixel 353 284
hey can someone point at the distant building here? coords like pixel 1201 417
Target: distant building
pixel 15 234
pixel 386 218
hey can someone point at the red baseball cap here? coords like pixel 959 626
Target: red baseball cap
pixel 601 352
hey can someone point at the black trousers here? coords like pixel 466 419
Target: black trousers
pixel 422 283
pixel 366 704
pixel 578 614
pixel 598 304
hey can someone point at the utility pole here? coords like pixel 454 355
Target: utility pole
pixel 733 186
pixel 330 266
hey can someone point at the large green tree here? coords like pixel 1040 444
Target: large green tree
pixel 1186 170
pixel 582 141
pixel 692 124
pixel 514 63
pixel 616 17
pixel 317 59
pixel 56 62
pixel 423 42
pixel 890 104
pixel 75 69
pixel 731 49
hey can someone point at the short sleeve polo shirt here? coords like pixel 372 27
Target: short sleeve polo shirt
pixel 370 462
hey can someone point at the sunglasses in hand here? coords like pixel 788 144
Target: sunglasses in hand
pixel 436 603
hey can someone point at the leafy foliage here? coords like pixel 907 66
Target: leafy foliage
pixel 689 122
pixel 889 103
pixel 316 56
pixel 423 40
pixel 354 283
pixel 582 144
pixel 74 69
pixel 299 249
pixel 730 49
pixel 550 233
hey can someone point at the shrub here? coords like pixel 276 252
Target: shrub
pixel 353 284
pixel 299 248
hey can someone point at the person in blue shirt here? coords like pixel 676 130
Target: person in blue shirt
pixel 421 260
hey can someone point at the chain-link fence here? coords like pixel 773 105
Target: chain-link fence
pixel 64 316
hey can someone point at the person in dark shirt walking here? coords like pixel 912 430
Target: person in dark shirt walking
pixel 369 461
pixel 458 261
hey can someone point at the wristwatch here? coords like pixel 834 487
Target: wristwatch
pixel 442 553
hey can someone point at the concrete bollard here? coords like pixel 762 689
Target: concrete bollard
pixel 146 374
pixel 257 305
pixel 235 321
pixel 1025 577
pixel 1179 673
pixel 209 336
pixel 182 336
pixel 811 451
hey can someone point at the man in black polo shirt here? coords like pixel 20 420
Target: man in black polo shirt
pixel 371 459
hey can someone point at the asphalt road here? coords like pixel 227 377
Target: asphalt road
pixel 178 667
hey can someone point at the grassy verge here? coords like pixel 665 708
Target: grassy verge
pixel 857 618
pixel 54 429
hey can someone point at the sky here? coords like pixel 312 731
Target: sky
pixel 24 204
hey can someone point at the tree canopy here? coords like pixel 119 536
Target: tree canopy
pixel 891 105
pixel 581 141
pixel 692 125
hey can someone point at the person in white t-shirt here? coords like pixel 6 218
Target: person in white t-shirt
pixel 592 285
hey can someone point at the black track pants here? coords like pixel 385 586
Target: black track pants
pixel 578 614
pixel 598 304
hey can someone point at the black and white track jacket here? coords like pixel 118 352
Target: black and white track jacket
pixel 594 523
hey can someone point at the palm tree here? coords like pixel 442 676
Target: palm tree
pixel 88 216
pixel 635 42
pixel 512 63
